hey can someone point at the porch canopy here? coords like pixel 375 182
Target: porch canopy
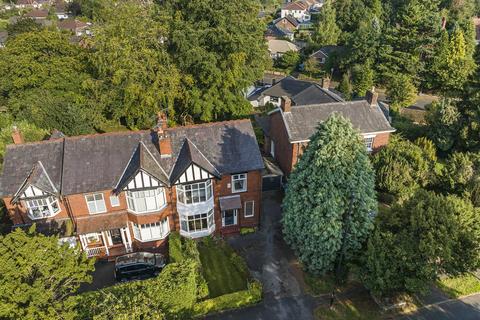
pixel 101 222
pixel 230 203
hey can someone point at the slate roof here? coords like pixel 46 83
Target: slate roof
pixel 302 121
pixel 97 162
pixel 301 92
pixel 39 178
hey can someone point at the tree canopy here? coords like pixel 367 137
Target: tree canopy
pixel 330 197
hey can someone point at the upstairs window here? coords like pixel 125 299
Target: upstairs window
pixel 42 208
pixel 239 182
pixel 114 201
pixel 96 203
pixel 195 192
pixel 146 200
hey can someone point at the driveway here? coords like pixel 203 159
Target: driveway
pixel 273 263
pixel 102 277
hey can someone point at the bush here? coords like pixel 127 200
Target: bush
pixel 175 249
pixel 234 300
pixel 247 230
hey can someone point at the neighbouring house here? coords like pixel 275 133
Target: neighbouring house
pixel 3 38
pixel 278 48
pixel 284 27
pixel 298 9
pixel 37 14
pixel 23 4
pixel 322 55
pixel 77 27
pixel 476 23
pixel 300 92
pixel 126 191
pixel 289 127
pixel 61 10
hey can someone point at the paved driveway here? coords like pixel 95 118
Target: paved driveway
pixel 102 277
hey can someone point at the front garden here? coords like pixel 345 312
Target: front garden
pixel 202 277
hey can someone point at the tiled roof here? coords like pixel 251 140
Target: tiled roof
pixel 281 46
pixel 302 121
pixel 97 162
pixel 297 5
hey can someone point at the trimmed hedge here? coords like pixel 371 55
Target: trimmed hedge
pixel 252 295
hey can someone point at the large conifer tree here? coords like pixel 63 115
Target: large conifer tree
pixel 330 198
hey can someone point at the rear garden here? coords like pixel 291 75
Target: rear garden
pixel 203 277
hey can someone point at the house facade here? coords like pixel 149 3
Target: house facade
pixel 289 127
pixel 121 192
pixel 298 9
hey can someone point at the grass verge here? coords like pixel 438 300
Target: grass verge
pixel 460 286
pixel 220 269
pixel 358 308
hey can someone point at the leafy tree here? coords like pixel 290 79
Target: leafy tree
pixel 39 276
pixel 43 82
pixel 363 78
pixel 452 64
pixel 326 32
pixel 363 43
pixel 402 167
pixel 137 77
pixel 428 236
pixel 311 66
pixel 330 198
pixel 289 60
pixel 219 48
pixel 460 173
pixel 443 119
pixel 428 148
pixel 345 86
pixel 23 25
pixel 401 91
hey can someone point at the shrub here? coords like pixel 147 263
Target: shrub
pixel 247 230
pixel 175 249
pixel 428 148
pixel 237 299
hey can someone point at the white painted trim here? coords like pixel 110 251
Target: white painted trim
pixel 367 133
pixel 245 209
pixel 105 243
pixel 93 194
pixel 246 183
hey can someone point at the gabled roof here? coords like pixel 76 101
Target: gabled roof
pixel 302 122
pixel 98 162
pixel 297 5
pixel 37 14
pixel 38 177
pixel 189 154
pixel 288 18
pixel 281 46
pixel 326 51
pixel 142 159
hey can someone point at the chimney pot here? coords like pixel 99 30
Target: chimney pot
pixel 286 104
pixel 372 97
pixel 17 136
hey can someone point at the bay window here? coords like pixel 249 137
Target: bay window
pixel 197 222
pixel 195 192
pixel 42 208
pixel 146 200
pixel 151 231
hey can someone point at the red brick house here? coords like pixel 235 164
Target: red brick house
pixel 126 191
pixel 288 128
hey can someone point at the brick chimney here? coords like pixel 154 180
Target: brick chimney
pixel 372 97
pixel 286 104
pixel 326 83
pixel 17 136
pixel 164 141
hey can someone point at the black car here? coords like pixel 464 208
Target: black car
pixel 138 265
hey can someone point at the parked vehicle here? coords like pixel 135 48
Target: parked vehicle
pixel 138 265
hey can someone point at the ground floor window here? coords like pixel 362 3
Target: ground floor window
pixel 229 217
pixel 151 231
pixel 197 222
pixel 249 209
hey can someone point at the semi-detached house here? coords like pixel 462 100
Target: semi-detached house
pixel 126 191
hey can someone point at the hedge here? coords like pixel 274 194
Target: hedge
pixel 239 299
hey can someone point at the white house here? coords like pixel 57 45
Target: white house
pixel 298 9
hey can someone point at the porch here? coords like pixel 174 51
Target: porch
pixel 109 243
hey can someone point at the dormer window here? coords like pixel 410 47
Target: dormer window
pixel 144 201
pixel 194 192
pixel 42 208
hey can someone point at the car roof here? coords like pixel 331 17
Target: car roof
pixel 133 258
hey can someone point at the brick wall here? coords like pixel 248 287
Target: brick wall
pixel 283 147
pixel 380 141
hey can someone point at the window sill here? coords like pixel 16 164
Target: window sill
pixel 151 240
pixel 147 212
pixel 44 217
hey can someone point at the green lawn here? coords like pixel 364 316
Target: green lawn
pixel 359 308
pixel 460 286
pixel 220 270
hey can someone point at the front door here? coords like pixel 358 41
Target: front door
pixel 229 217
pixel 116 236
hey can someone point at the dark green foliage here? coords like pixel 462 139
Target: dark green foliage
pixel 175 250
pixel 443 119
pixel 345 87
pixel 23 25
pixel 326 32
pixel 331 191
pixel 288 61
pixel 458 172
pixel 363 78
pixel 39 276
pixel 428 236
pixel 401 91
pixel 402 167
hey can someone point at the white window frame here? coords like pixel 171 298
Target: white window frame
pixel 272 148
pixel 159 198
pixel 369 141
pixel 96 235
pixel 46 203
pixel 235 218
pixel 116 202
pixel 95 202
pixel 245 209
pixel 185 219
pixel 238 177
pixel 163 226
pixel 183 189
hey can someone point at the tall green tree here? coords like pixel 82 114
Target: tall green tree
pixel 401 91
pixel 130 60
pixel 443 119
pixel 330 198
pixel 326 32
pixel 363 78
pixel 39 276
pixel 219 48
pixel 414 243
